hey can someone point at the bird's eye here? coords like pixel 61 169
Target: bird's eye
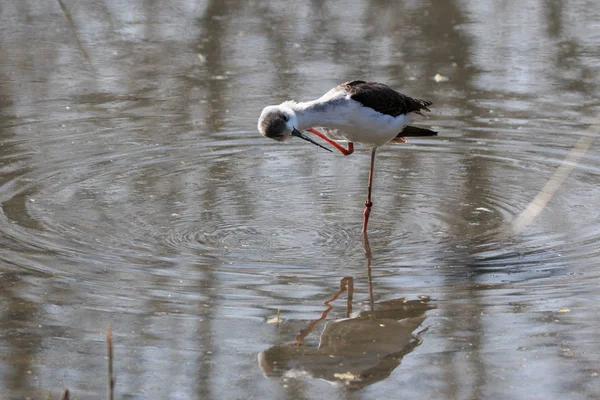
pixel 286 118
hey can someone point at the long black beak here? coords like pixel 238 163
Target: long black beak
pixel 299 134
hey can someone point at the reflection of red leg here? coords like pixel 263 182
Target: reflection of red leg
pixel 366 214
pixel 369 203
pixel 335 144
pixel 346 284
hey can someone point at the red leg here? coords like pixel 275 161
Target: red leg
pixel 335 144
pixel 369 203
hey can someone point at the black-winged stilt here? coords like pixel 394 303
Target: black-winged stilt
pixel 369 113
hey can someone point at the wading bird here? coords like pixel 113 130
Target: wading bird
pixel 369 113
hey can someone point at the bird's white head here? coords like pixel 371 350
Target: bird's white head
pixel 281 123
pixel 277 122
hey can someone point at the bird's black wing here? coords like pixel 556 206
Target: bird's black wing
pixel 382 98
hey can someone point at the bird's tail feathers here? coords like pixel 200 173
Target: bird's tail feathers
pixel 413 131
pixel 424 104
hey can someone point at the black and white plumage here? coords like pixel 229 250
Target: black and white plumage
pixel 369 113
pixel 382 98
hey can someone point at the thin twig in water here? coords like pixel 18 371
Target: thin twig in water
pixel 555 182
pixel 69 19
pixel 111 380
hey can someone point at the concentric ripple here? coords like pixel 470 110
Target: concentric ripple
pixel 103 194
pixel 128 199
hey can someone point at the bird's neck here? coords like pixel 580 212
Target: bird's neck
pixel 311 114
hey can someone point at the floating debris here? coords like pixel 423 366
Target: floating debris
pixel 348 376
pixel 564 310
pixel 440 78
pixel 275 320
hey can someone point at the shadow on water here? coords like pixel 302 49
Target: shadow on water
pixel 359 350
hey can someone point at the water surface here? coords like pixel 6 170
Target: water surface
pixel 135 191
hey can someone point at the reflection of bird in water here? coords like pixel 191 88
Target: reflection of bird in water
pixel 369 113
pixel 359 350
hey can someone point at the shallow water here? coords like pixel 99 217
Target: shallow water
pixel 135 191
